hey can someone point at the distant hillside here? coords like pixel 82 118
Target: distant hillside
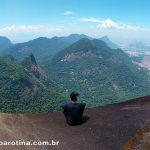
pixel 4 43
pixel 74 38
pixel 108 42
pixel 40 47
pixel 25 87
pixel 102 75
pixel 45 48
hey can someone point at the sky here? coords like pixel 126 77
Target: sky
pixel 121 20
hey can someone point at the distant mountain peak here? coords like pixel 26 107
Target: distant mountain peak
pixel 72 38
pixel 75 34
pixel 40 39
pixel 4 43
pixel 105 37
pixel 109 42
pixel 4 38
pixel 82 49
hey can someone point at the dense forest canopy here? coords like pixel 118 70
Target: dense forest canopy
pixel 37 76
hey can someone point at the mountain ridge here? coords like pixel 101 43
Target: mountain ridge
pixel 99 72
pixel 40 47
pixel 44 47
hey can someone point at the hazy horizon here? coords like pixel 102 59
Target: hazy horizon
pixel 122 21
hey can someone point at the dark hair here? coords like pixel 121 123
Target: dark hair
pixel 73 96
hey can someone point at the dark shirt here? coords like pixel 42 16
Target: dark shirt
pixel 73 112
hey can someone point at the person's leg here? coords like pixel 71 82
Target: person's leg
pixel 67 120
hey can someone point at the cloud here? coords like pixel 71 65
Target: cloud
pixel 20 33
pixel 110 24
pixel 66 13
pixel 28 28
pixel 95 27
pixel 93 20
pixel 118 31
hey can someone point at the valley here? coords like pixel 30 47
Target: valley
pixel 39 74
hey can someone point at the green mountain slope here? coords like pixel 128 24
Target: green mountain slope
pixel 22 91
pixel 102 75
pixel 40 47
pixel 44 48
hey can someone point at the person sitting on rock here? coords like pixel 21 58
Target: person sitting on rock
pixel 73 111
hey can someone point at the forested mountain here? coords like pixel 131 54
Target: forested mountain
pixel 4 43
pixel 46 48
pixel 40 47
pixel 26 87
pixel 89 66
pixel 102 75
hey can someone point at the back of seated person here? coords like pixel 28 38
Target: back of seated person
pixel 73 111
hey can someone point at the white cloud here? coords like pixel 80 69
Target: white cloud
pixel 95 27
pixel 108 23
pixel 66 13
pixel 28 28
pixel 133 27
pixel 19 33
pixel 119 32
pixel 93 20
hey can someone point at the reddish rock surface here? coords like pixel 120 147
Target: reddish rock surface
pixel 140 141
pixel 78 55
pixel 108 127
